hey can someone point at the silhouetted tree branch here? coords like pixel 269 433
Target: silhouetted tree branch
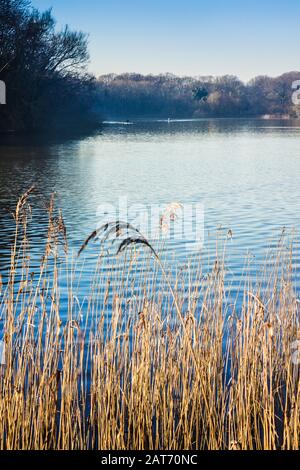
pixel 40 67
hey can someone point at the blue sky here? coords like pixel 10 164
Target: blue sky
pixel 191 37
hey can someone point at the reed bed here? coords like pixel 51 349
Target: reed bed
pixel 146 360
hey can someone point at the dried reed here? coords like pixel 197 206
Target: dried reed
pixel 145 360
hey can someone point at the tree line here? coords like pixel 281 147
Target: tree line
pixel 49 88
pixel 45 72
pixel 136 95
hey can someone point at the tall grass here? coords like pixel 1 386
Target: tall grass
pixel 146 360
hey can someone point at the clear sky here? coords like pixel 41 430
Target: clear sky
pixel 186 37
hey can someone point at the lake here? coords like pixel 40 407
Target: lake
pixel 244 174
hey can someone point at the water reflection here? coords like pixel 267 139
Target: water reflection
pixel 246 172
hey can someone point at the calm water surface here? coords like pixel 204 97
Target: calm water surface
pixel 245 172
